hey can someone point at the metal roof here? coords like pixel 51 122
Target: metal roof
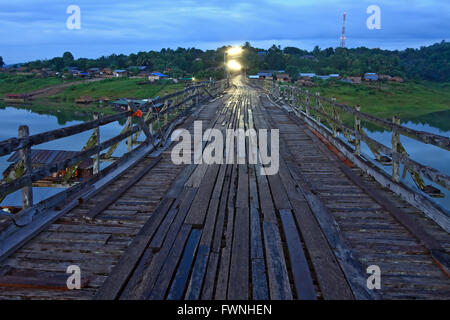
pixel 45 157
pixel 305 74
pixel 158 74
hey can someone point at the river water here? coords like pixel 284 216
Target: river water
pixel 11 118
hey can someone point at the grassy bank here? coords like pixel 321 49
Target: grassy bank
pixel 63 103
pixel 384 100
pixel 10 83
pixel 116 88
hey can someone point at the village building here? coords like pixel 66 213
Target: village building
pixel 353 80
pixel 17 98
pixel 305 83
pixel 370 76
pixel 268 75
pixel 306 75
pixel 94 71
pixel 384 77
pixel 106 72
pixel 397 79
pixel 283 77
pixel 120 73
pixel 155 76
pixel 84 99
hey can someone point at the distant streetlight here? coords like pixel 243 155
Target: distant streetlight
pixel 233 51
pixel 234 65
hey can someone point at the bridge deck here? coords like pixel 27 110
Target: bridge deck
pixel 228 232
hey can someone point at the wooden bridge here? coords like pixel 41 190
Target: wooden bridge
pixel 146 228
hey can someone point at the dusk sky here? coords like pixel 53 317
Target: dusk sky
pixel 36 29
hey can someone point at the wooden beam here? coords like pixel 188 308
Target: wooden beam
pixel 25 154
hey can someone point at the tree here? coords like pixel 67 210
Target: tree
pixel 1 62
pixel 68 59
pixel 275 58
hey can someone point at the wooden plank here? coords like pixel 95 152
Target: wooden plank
pixel 122 271
pixel 145 279
pixel 210 222
pixel 221 215
pixel 223 276
pixel 260 290
pixel 242 196
pixel 134 281
pixel 257 251
pixel 253 188
pixel 181 277
pixel 279 286
pixel 197 213
pixel 332 282
pixel 159 290
pixel 198 273
pixel 115 195
pixel 32 279
pixel 299 265
pixel 210 278
pixel 238 286
pixel 278 192
pixel 267 206
pixel 348 262
pixel 158 239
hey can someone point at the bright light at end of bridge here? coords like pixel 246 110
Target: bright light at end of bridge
pixel 233 51
pixel 234 65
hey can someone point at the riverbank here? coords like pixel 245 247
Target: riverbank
pixel 385 100
pixel 62 102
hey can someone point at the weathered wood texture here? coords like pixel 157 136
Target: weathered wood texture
pixel 227 231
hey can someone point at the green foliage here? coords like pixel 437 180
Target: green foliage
pixel 116 88
pixel 10 83
pixel 405 100
pixel 427 63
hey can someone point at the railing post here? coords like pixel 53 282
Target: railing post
pixel 150 125
pixel 307 102
pixel 299 99
pixel 130 138
pixel 25 153
pixel 334 117
pixel 196 96
pixel 395 149
pixel 357 132
pixel 318 105
pixel 96 166
pixel 166 114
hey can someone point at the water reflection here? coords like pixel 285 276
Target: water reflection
pixel 11 118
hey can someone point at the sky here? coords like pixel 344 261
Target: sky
pixel 37 29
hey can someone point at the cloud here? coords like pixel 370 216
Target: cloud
pixel 37 28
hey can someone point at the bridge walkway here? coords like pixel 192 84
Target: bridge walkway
pixel 227 231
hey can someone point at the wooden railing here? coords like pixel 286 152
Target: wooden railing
pixel 327 112
pixel 156 126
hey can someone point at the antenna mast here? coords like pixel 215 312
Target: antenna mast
pixel 343 37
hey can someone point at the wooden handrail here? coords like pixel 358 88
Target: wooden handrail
pixel 26 142
pixel 442 142
pixel 15 144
